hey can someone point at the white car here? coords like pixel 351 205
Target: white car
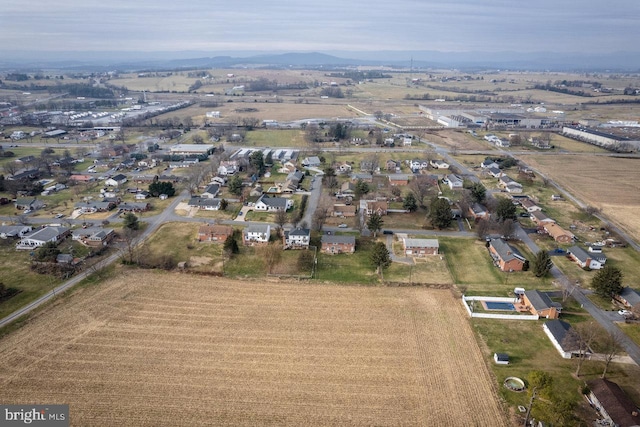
pixel 624 313
pixel 342 226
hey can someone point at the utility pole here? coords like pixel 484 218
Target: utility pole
pixel 533 397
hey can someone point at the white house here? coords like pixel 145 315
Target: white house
pixel 228 167
pixel 37 238
pixel 417 164
pixel 439 164
pixel 453 181
pixel 258 234
pixel 297 239
pixel 211 191
pixel 272 204
pixel 116 180
pixel 563 338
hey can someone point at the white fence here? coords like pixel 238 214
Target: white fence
pixel 496 316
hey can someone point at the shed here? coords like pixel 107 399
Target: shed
pixel 501 358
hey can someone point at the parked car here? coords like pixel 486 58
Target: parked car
pixel 59 216
pixel 342 226
pixel 624 313
pixel 387 231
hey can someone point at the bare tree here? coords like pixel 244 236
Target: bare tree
pixel 584 335
pixel 271 253
pixel 322 212
pixel 281 218
pixel 11 168
pixel 421 187
pixel 611 347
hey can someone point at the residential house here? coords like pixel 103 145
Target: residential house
pixel 478 212
pixel 29 203
pixel 417 165
pixel 612 403
pixel 256 235
pixel 420 247
pixel 311 162
pixel 509 184
pixel 90 207
pixel 540 304
pixel 344 168
pixel 191 149
pixel 228 167
pixel 563 338
pixel 211 191
pixel 134 207
pixel 297 239
pixel 332 244
pixel 397 179
pixel 453 181
pixel 586 260
pixel 406 141
pixel 204 203
pixel 558 233
pixel 342 210
pixel 489 164
pixel 629 297
pixel 214 232
pixel 81 178
pixel 393 165
pixel 27 174
pixel 14 231
pixel 495 172
pixel 366 177
pixel 439 164
pixel 116 180
pixel 272 204
pixel 41 236
pixel 541 218
pixel 379 207
pixel 288 167
pixel 221 181
pixel 506 257
pixel 368 166
pixel 348 188
pixel 93 236
pixel 530 206
pixel 142 195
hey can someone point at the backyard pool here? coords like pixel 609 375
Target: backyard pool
pixel 495 305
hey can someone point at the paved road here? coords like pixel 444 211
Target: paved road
pixel 153 223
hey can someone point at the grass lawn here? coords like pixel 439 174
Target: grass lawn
pixel 632 330
pixel 529 349
pixel 348 268
pixel 471 267
pixel 276 138
pixel 430 270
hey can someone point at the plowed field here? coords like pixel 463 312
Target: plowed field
pixel 165 350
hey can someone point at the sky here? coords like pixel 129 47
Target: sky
pixel 331 25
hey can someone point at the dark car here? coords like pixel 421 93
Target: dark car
pixel 387 231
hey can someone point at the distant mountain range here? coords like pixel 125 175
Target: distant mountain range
pixel 464 61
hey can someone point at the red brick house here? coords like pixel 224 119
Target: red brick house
pixel 332 244
pixel 214 233
pixel 505 256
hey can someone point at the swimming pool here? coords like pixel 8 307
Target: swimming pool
pixel 504 306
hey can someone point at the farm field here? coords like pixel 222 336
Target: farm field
pixel 148 348
pixel 617 195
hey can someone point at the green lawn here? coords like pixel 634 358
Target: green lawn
pixel 275 138
pixel 348 268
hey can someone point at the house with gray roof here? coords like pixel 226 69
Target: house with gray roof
pixel 313 161
pixel 211 191
pixel 95 206
pixel 332 244
pixel 204 203
pixel 505 256
pixel 298 238
pixel 14 231
pixel 420 247
pixel 41 236
pixel 539 303
pixel 272 204
pixel 585 259
pixel 453 181
pixel 29 203
pixel 629 297
pixel 563 338
pixel 256 235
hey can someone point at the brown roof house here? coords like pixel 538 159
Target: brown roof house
pixel 214 233
pixel 506 257
pixel 613 404
pixel 377 206
pixel 558 233
pixel 342 210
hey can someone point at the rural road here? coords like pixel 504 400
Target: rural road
pixel 153 223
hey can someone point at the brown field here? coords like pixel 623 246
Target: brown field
pixel 147 348
pixel 609 183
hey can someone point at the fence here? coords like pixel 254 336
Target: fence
pixel 492 315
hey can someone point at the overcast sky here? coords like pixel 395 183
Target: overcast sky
pixel 298 25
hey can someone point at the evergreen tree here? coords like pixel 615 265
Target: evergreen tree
pixel 374 223
pixel 410 203
pixel 380 257
pixel 47 252
pixel 541 264
pixel 440 213
pixel 235 185
pixel 157 188
pixel 131 222
pixel 607 282
pixel 505 209
pixel 230 246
